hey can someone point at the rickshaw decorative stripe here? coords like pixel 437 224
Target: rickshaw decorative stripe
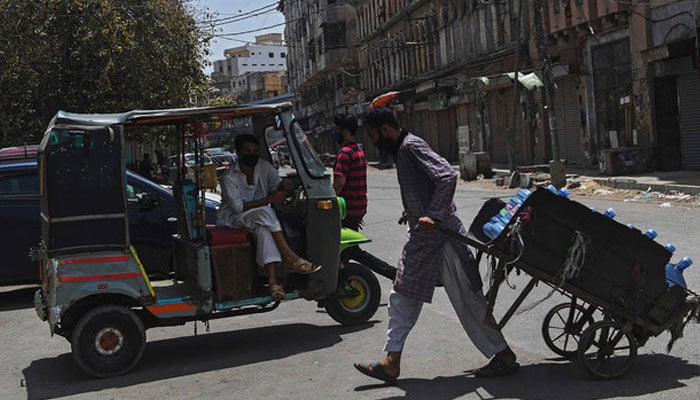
pixel 164 308
pixel 143 271
pixel 98 277
pixel 93 260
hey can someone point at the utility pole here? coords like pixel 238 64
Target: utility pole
pixel 556 165
pixel 515 8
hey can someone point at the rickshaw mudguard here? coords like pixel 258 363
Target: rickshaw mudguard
pixel 104 272
pixel 74 278
pixel 349 237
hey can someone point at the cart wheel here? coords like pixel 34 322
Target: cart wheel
pixel 360 308
pixel 562 328
pixel 108 341
pixel 606 350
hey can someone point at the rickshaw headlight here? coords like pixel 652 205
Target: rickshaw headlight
pixel 324 205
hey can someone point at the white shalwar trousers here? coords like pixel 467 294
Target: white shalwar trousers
pixel 261 222
pixel 469 305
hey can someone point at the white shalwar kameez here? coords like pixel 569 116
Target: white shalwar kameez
pixel 260 221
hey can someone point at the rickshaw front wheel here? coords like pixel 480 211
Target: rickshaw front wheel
pixel 108 341
pixel 349 309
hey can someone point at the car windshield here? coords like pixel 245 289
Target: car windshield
pixel 190 159
pixel 313 164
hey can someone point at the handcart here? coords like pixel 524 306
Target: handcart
pixel 613 276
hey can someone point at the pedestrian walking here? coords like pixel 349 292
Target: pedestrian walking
pixel 350 183
pixel 427 183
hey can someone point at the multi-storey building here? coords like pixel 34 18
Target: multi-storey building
pixel 629 84
pixel 322 63
pixel 255 70
pixel 625 93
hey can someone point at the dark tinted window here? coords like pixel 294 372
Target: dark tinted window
pixel 18 184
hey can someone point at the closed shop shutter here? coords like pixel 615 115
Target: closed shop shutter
pixel 689 108
pixel 568 120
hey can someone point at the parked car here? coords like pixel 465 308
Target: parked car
pixel 152 220
pixel 220 156
pixel 168 168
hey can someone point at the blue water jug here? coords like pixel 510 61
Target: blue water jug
pixel 610 213
pixel 670 247
pixel 674 273
pixel 493 228
pixel 564 192
pixel 552 188
pixel 630 226
pixel 523 194
pixel 651 234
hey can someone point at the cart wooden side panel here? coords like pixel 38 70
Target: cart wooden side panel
pixel 622 270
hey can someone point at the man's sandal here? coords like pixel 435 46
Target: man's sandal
pixel 376 371
pixel 277 292
pixel 496 368
pixel 304 267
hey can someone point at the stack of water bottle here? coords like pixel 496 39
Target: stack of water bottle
pixel 498 222
pixel 674 272
pixel 492 228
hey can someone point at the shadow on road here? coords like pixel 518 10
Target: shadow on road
pixel 652 373
pixel 165 359
pixel 17 297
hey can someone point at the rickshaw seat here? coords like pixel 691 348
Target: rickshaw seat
pixel 221 235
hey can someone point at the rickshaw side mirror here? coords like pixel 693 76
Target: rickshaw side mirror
pixel 278 123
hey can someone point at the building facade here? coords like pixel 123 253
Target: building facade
pixel 322 64
pixel 628 82
pixel 253 71
pixel 624 93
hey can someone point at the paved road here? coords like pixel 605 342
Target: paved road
pixel 298 352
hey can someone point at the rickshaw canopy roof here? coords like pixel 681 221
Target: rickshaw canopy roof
pixel 64 119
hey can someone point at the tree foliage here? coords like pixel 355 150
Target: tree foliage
pixel 94 56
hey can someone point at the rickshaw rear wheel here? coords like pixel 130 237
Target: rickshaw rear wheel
pixel 607 349
pixel 108 341
pixel 360 308
pixel 562 328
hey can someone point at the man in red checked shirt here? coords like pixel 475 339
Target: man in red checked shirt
pixel 350 183
pixel 350 171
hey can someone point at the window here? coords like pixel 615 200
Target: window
pixel 283 55
pixel 19 184
pixel 255 65
pixel 555 7
pixel 245 65
pixel 334 35
pixel 271 54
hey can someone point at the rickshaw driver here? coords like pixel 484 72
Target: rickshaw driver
pixel 247 190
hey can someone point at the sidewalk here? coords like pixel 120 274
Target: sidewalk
pixel 686 182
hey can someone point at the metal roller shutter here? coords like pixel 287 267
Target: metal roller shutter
pixel 568 120
pixel 689 107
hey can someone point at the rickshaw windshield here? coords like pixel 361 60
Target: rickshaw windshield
pixel 312 162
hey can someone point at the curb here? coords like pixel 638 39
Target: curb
pixel 657 187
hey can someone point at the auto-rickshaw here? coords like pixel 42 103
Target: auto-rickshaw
pixel 94 290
